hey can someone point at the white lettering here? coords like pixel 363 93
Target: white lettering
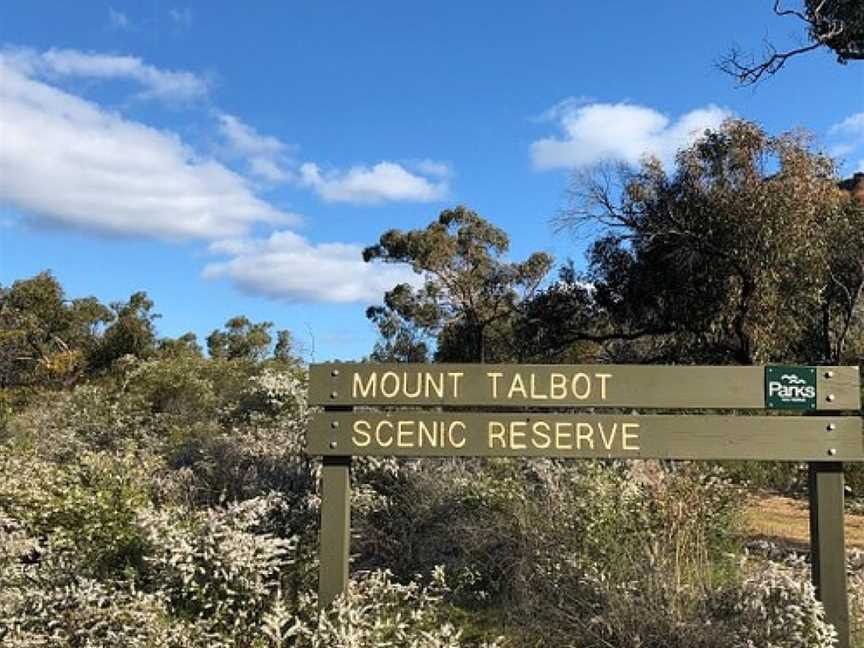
pixel 361 431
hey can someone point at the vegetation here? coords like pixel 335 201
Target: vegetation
pixel 152 495
pixel 469 298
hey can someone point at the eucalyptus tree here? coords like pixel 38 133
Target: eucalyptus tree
pixel 747 251
pixel 241 339
pixel 466 297
pixel 130 332
pixel 46 337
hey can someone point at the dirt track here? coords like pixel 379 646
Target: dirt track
pixel 786 521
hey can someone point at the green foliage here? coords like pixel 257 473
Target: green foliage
pixel 468 295
pixel 44 337
pixel 176 388
pixel 48 340
pixel 747 253
pixel 131 333
pixel 217 567
pixel 185 345
pixel 775 476
pixel 87 507
pixel 776 606
pixel 377 611
pixel 243 340
pixel 61 609
pixel 555 323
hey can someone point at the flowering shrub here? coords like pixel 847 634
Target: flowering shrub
pixel 215 566
pixel 86 612
pixel 376 611
pixel 87 507
pixel 777 608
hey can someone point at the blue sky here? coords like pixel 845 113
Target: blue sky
pixel 233 157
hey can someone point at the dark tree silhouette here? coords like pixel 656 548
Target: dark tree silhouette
pixel 837 25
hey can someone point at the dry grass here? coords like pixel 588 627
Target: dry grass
pixel 786 521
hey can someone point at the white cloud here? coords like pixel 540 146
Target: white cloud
pixel 841 150
pixel 562 108
pixel 432 168
pixel 265 154
pixel 848 136
pixel 599 132
pixel 852 126
pixel 181 17
pixel 383 182
pixel 288 267
pixel 118 20
pixel 68 161
pixel 57 63
pixel 269 170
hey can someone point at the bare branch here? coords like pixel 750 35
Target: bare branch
pixel 789 12
pixel 749 72
pixel 829 24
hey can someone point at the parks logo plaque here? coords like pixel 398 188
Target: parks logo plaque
pixel 790 388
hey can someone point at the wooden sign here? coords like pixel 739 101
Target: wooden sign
pixel 559 386
pixel 443 434
pixel 490 410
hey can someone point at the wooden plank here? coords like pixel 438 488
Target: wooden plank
pixel 562 386
pixel 838 388
pixel 449 434
pixel 335 538
pixel 828 546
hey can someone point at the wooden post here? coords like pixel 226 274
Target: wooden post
pixel 335 526
pixel 828 546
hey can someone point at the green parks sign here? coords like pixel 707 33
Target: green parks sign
pixel 590 411
pixel 790 388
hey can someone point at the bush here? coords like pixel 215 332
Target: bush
pixel 376 611
pixel 86 612
pixel 88 507
pixel 631 559
pixel 218 567
pixel 776 608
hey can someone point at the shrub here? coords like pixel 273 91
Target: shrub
pixel 217 567
pixel 177 388
pixel 376 611
pixel 777 608
pixel 86 612
pixel 88 507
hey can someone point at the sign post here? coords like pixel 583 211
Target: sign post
pixel 335 524
pixel 472 410
pixel 828 546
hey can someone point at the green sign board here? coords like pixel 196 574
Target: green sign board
pixel 566 386
pixel 411 433
pixel 790 388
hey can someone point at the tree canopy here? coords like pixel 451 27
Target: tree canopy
pixel 746 251
pixel 48 339
pixel 467 293
pixel 242 339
